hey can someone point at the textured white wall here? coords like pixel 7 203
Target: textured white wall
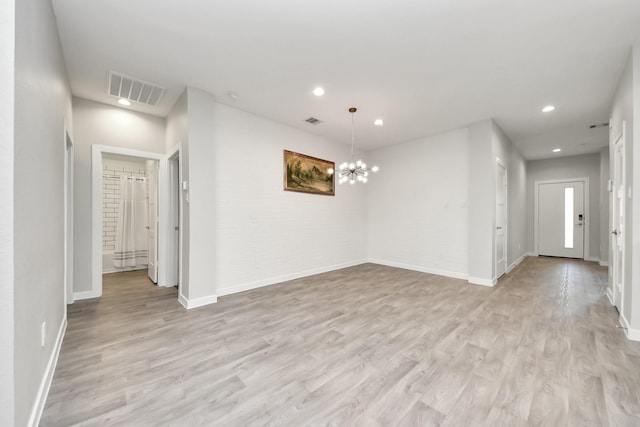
pixel 263 234
pixel 418 204
pixel 7 40
pixel 587 165
pixel 42 105
pixel 102 124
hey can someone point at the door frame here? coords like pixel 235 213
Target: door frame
pixel 97 151
pixel 501 164
pixel 173 197
pixel 68 215
pixel 587 210
pixel 612 292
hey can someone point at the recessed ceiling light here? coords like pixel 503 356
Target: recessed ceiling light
pixel 378 122
pixel 548 109
pixel 318 91
pixel 557 150
pixel 123 101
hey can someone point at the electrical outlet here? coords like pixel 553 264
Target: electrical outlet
pixel 43 334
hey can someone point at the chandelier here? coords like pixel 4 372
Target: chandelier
pixel 353 171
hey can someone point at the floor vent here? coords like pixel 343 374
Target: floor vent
pixel 134 90
pixel 313 121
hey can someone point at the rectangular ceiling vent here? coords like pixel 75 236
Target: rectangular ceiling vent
pixel 313 121
pixel 134 90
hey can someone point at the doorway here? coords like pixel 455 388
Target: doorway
pixel 98 214
pixel 561 222
pixel 618 221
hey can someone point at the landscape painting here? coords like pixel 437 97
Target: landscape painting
pixel 308 174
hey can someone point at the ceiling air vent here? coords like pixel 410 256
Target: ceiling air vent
pixel 313 121
pixel 134 90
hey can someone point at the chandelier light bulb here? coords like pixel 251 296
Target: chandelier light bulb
pixel 375 169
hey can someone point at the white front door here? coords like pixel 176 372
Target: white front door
pixel 617 222
pixel 561 219
pixel 153 222
pixel 501 220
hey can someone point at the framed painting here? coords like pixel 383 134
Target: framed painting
pixel 308 174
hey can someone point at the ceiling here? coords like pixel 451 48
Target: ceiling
pixel 424 67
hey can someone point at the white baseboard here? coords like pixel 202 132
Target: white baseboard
pixel 632 334
pixel 610 296
pixel 603 263
pixel 279 279
pixel 86 295
pixel 422 269
pixel 481 281
pixel 515 263
pixel 592 259
pixel 45 384
pixel 197 302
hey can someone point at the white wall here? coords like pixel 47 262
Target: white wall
pixel 516 167
pixel 7 62
pixel 481 165
pixel 177 130
pixel 587 165
pixel 633 138
pixel 42 104
pixel 626 108
pixel 102 124
pixel 201 166
pixel 418 204
pixel 252 232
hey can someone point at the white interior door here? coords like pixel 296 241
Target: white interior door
pixel 501 220
pixel 561 219
pixel 618 223
pixel 153 222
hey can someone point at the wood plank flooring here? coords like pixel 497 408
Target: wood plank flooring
pixel 364 346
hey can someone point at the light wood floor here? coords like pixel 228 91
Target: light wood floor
pixel 363 346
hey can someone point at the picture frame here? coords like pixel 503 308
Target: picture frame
pixel 307 174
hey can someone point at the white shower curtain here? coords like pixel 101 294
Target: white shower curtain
pixel 131 232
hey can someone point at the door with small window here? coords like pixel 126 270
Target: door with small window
pixel 561 219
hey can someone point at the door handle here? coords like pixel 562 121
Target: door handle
pixel 498 228
pixel 614 232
